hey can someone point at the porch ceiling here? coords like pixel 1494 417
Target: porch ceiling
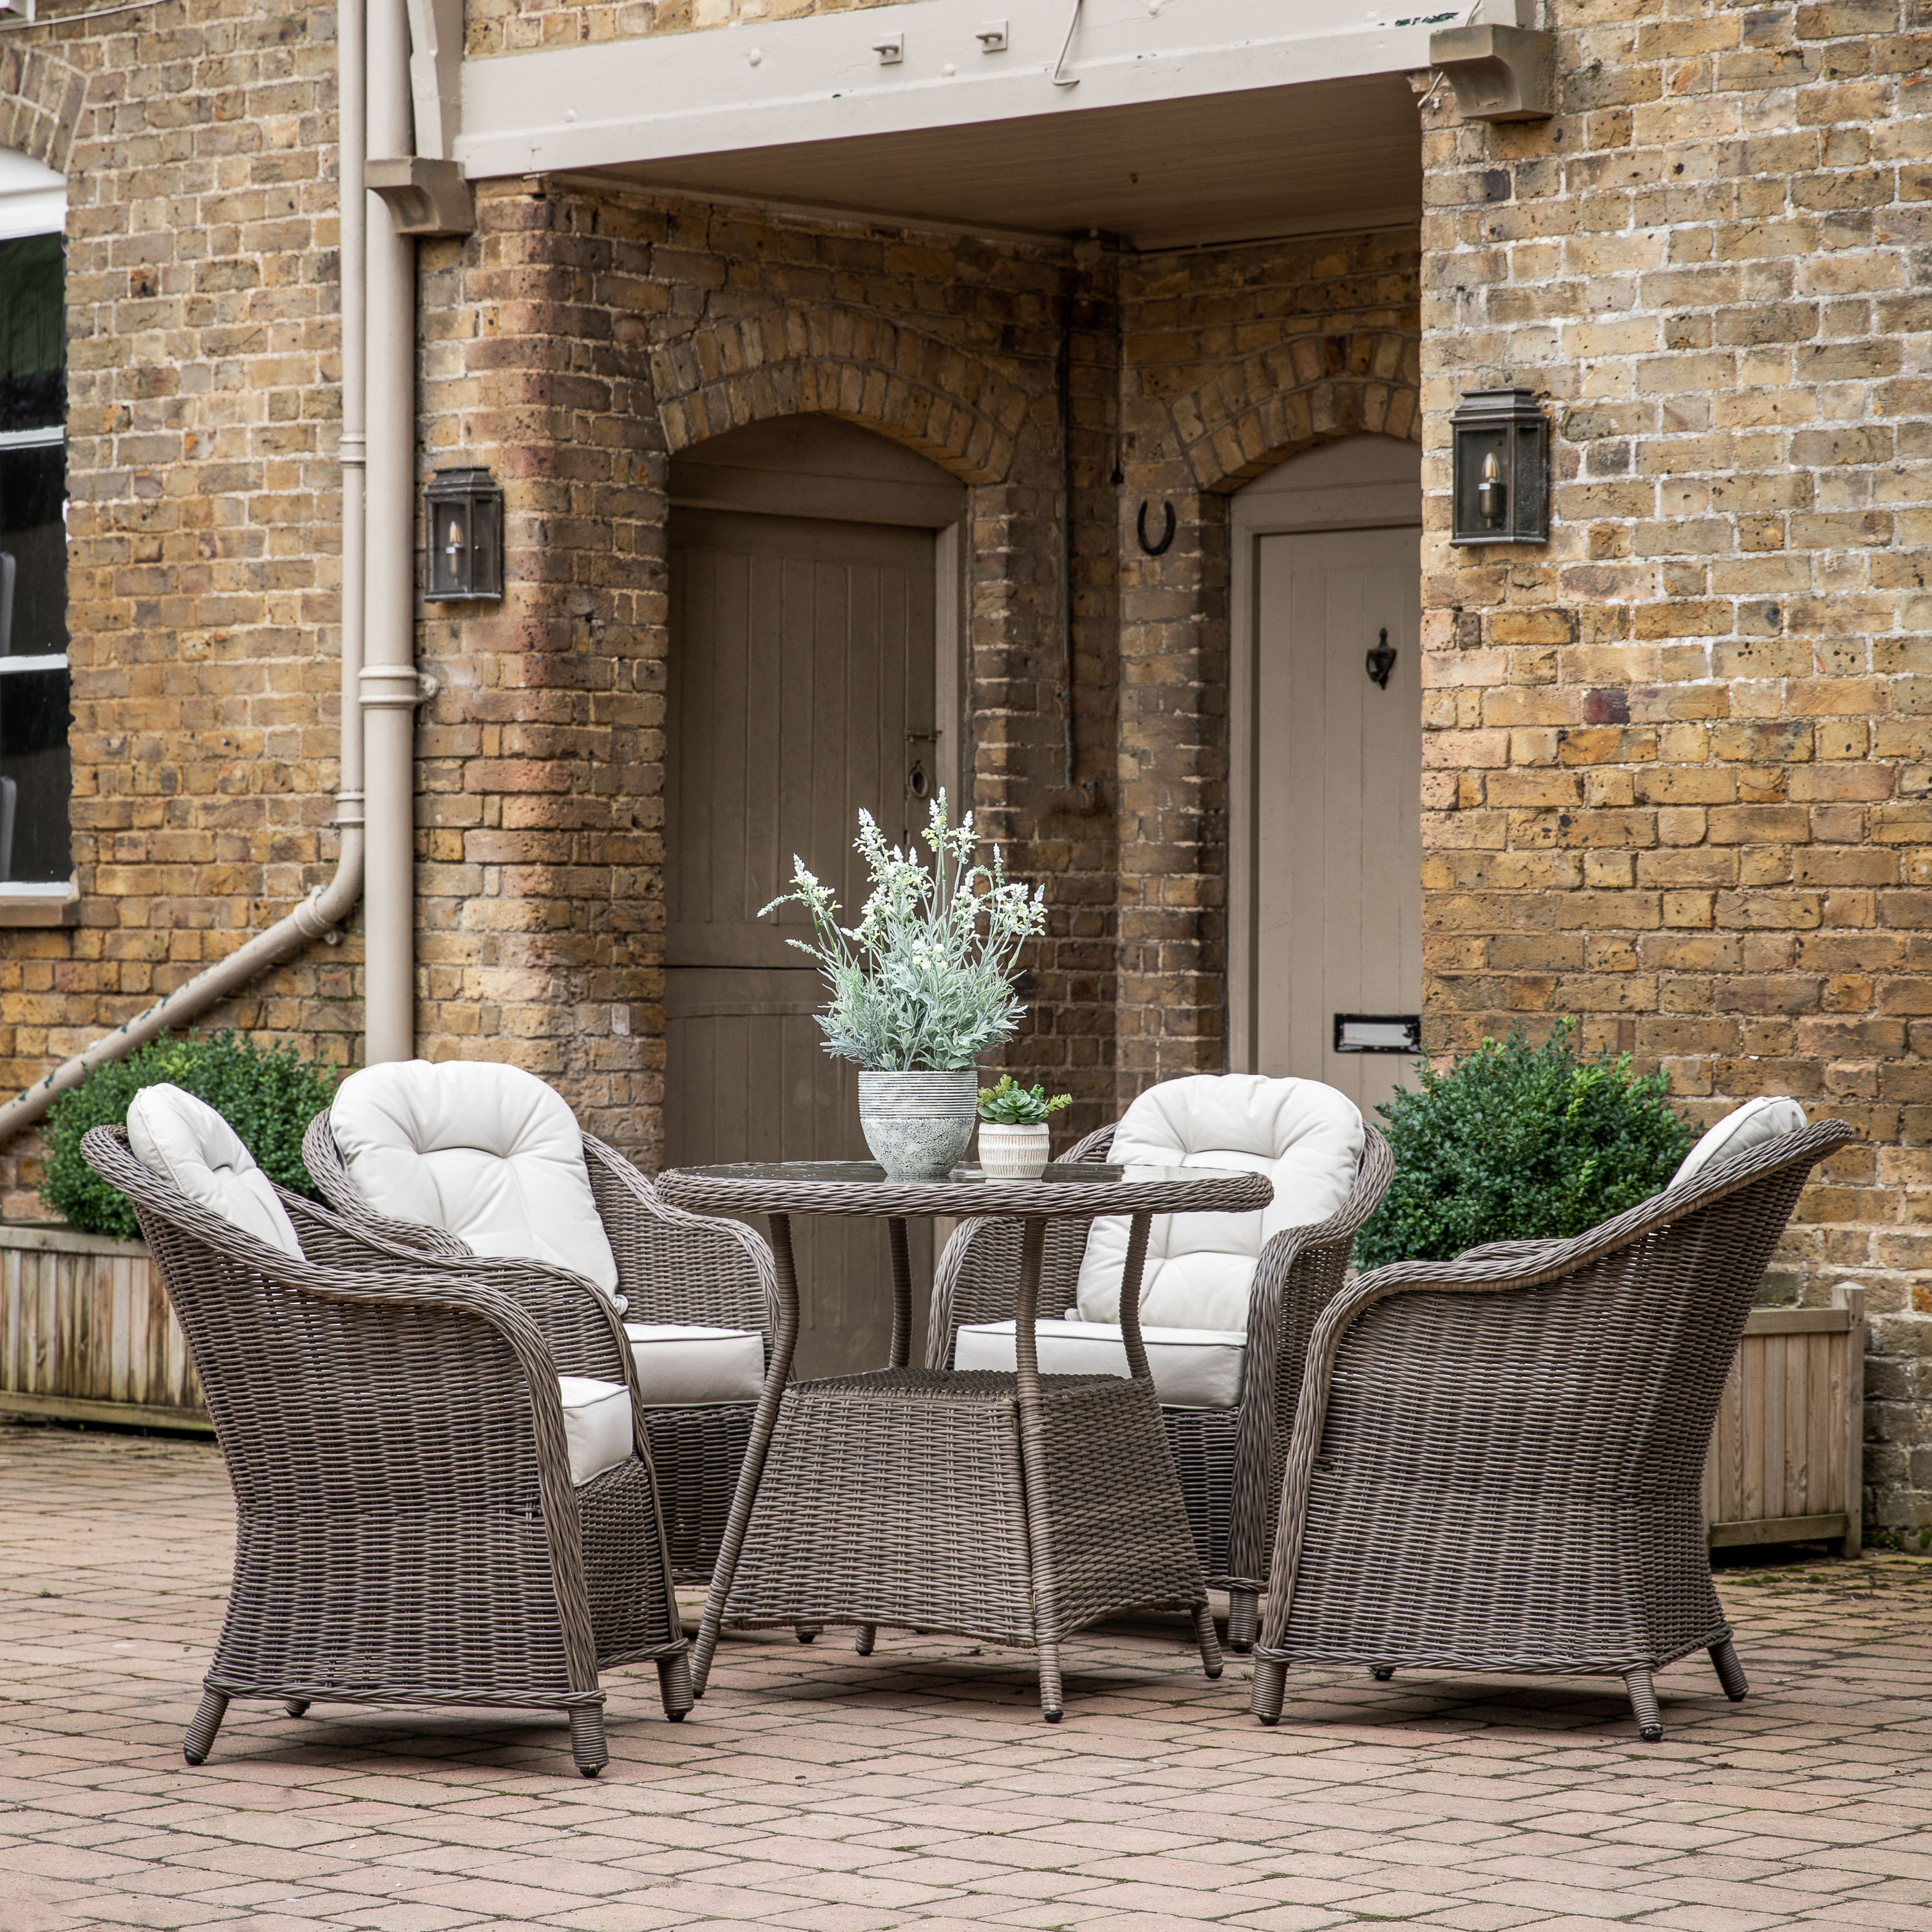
pixel 1325 155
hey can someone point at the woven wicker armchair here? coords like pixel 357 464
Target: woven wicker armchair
pixel 1229 1460
pixel 395 1432
pixel 673 1268
pixel 1496 1462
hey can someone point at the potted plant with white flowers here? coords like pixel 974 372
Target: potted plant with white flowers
pixel 921 986
pixel 1014 1136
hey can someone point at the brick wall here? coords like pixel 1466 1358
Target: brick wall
pixel 1677 779
pixel 202 293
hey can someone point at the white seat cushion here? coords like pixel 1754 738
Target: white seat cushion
pixel 1193 1368
pixel 683 1366
pixel 1747 1127
pixel 1305 1137
pixel 489 1152
pixel 187 1142
pixel 596 1424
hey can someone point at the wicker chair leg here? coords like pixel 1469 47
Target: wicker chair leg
pixel 1210 1645
pixel 1730 1672
pixel 864 1638
pixel 1381 1672
pixel 208 1716
pixel 1244 1620
pixel 805 1632
pixel 587 1741
pixel 297 1707
pixel 674 1685
pixel 1643 1702
pixel 1270 1688
pixel 1050 1706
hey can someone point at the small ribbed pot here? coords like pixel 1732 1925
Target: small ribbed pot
pixel 919 1125
pixel 1010 1153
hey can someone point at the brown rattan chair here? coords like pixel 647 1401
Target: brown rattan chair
pixel 1497 1461
pixel 672 1267
pixel 394 1430
pixel 1229 1461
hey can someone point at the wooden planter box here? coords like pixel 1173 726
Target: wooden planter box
pixel 1787 1461
pixel 86 1333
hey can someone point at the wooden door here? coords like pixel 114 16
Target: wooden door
pixel 1338 769
pixel 801 689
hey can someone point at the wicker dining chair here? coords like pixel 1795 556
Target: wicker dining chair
pixel 413 1523
pixel 1497 1461
pixel 674 1272
pixel 1229 1460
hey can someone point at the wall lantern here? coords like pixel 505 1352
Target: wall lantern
pixel 1501 469
pixel 465 521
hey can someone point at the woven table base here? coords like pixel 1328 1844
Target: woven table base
pixel 898 1497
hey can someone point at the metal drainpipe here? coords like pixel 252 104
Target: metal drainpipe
pixel 326 906
pixel 389 693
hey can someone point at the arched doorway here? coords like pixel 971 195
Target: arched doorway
pixel 1326 860
pixel 814 670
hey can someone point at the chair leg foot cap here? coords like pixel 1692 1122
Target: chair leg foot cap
pixel 1215 1672
pixel 1053 1717
pixel 1239 1649
pixel 1382 1673
pixel 1737 1696
pixel 1655 1736
pixel 589 1770
pixel 676 1716
pixel 805 1637
pixel 1271 1722
pixel 191 1757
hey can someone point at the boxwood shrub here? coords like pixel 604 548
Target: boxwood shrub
pixel 266 1093
pixel 1516 1142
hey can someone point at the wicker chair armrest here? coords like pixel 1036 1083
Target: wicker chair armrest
pixel 581 1328
pixel 977 1275
pixel 675 1266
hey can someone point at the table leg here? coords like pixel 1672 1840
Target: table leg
pixel 1033 1461
pixel 865 1636
pixel 1131 1274
pixel 764 1420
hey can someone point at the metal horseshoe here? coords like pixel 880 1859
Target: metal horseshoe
pixel 1166 531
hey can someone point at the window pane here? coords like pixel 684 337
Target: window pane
pixel 33 551
pixel 34 777
pixel 33 334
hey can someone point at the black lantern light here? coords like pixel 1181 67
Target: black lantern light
pixel 465 521
pixel 1501 469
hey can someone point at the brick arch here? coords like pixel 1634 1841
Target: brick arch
pixel 40 99
pixel 950 405
pixel 1247 416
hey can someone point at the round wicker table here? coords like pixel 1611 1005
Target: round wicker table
pixel 1012 1508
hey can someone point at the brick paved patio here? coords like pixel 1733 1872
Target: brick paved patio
pixel 814 1790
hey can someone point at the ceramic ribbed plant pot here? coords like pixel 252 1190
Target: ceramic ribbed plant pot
pixel 919 1125
pixel 1012 1153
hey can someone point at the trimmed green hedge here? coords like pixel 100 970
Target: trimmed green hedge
pixel 1517 1142
pixel 266 1094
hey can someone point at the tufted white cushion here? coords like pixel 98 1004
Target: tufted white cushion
pixel 1193 1368
pixel 1747 1127
pixel 682 1366
pixel 1305 1136
pixel 187 1141
pixel 596 1424
pixel 489 1152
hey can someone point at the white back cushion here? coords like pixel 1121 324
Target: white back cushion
pixel 186 1141
pixel 489 1152
pixel 1193 1368
pixel 1305 1137
pixel 1756 1120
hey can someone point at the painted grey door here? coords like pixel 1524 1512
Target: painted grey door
pixel 1338 821
pixel 801 689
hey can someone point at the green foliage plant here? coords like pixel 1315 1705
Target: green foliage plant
pixel 266 1093
pixel 1519 1142
pixel 925 979
pixel 1010 1104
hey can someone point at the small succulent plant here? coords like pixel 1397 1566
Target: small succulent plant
pixel 1010 1104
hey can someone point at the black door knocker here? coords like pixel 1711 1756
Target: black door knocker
pixel 1380 661
pixel 1166 529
